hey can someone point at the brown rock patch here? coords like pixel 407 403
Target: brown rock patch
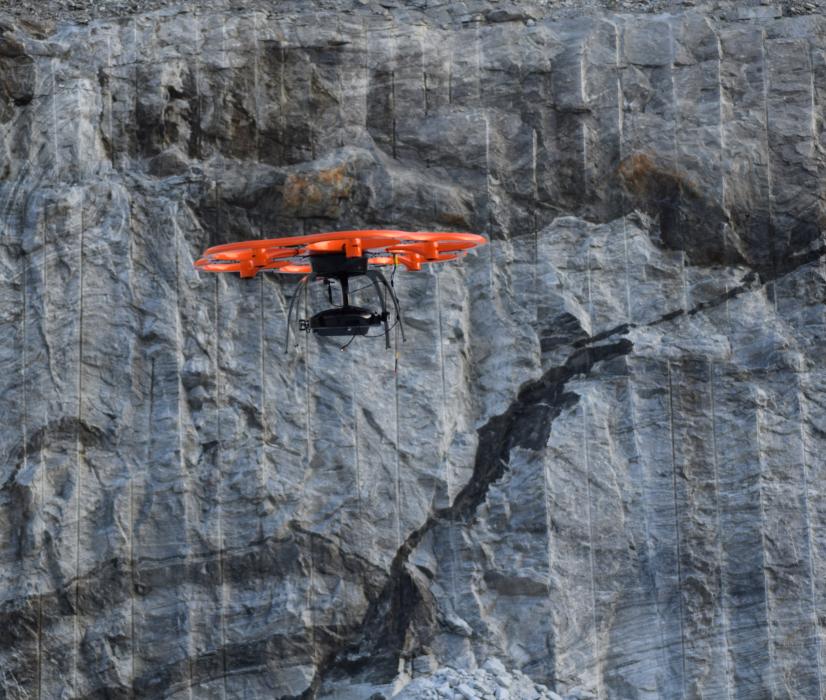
pixel 690 220
pixel 317 193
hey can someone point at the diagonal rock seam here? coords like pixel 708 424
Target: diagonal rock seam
pixel 526 423
pixel 754 280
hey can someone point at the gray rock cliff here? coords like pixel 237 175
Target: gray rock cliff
pixel 597 460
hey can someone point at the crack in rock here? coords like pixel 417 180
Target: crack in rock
pixel 756 279
pixel 380 641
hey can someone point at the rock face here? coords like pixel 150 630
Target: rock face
pixel 598 458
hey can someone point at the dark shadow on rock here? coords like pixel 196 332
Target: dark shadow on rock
pixel 689 220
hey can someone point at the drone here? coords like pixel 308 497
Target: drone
pixel 341 256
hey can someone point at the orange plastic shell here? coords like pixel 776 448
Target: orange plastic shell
pixel 290 254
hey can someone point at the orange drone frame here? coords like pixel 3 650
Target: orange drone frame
pixel 282 254
pixel 341 255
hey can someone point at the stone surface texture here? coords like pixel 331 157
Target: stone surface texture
pixel 596 462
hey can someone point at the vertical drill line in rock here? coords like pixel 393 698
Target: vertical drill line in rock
pixel 397 456
pixel 587 457
pixel 219 469
pixel 393 104
pixel 488 220
pixel 477 43
pixel 131 545
pixel 40 489
pixel 676 523
pixel 677 161
pixel 720 120
pixel 341 67
pixel 812 105
pixel 282 98
pixel 256 90
pixel 645 477
pixel 720 563
pixel 40 597
pixel 450 77
pixel 54 117
pixel 366 79
pixel 132 562
pixel 178 334
pixel 313 116
pixel 109 101
pixel 443 448
pixel 424 83
pixel 623 196
pixel 23 361
pixel 817 146
pixel 620 110
pixel 588 285
pixel 534 178
pixel 769 177
pixel 78 447
pixel 443 406
pixel 40 645
pixel 262 462
pixel 821 264
pixel 310 602
pixel 547 492
pixel 357 438
pixel 307 397
pixel 397 485
pixel 135 119
pixel 809 535
pixel 535 274
pixel 628 314
pixel 674 107
pixel 583 128
pixel 197 80
pixel 769 640
pixel 79 177
pixel 178 405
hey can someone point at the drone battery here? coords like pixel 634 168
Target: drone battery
pixel 347 320
pixel 338 265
